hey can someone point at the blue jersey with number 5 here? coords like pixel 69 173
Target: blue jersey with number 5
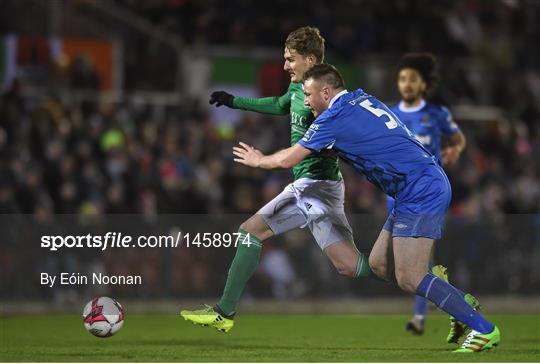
pixel 367 135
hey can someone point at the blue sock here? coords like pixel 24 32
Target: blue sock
pixel 420 303
pixel 420 306
pixel 451 301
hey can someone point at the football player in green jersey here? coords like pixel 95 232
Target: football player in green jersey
pixel 314 199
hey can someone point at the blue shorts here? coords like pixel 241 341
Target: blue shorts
pixel 419 209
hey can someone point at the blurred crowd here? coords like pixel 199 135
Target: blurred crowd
pixel 68 156
pixel 497 36
pixel 453 28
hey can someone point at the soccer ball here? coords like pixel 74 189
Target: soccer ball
pixel 103 316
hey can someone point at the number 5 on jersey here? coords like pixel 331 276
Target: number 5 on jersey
pixel 390 124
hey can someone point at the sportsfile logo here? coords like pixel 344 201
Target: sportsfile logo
pixel 110 240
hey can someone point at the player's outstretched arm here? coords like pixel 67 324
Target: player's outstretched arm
pixel 276 105
pixel 285 158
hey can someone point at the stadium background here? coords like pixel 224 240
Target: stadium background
pixel 104 113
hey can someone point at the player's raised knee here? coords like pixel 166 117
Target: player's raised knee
pixel 345 270
pixel 257 227
pixel 247 227
pixel 379 267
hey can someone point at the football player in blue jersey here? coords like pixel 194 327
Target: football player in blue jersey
pixel 434 127
pixel 365 133
pixel 432 124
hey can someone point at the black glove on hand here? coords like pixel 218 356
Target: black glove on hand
pixel 221 98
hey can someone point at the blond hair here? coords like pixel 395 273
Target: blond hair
pixel 307 41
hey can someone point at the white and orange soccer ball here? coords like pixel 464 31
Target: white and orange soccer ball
pixel 103 316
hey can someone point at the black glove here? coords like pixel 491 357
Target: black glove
pixel 221 98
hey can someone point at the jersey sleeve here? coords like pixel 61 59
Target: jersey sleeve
pixel 320 135
pixel 448 125
pixel 276 105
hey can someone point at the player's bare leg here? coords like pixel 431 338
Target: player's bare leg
pixel 257 227
pixel 411 257
pixel 381 258
pixel 347 259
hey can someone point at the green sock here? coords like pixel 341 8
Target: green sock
pixel 362 267
pixel 242 268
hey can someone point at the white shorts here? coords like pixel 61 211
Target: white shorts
pixel 318 204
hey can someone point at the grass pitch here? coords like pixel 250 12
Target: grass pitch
pixel 269 338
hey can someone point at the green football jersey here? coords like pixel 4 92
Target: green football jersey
pixel 314 166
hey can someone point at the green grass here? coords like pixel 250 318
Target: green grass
pixel 285 338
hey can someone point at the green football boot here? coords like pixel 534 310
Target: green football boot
pixel 208 317
pixel 457 329
pixel 476 341
pixel 440 271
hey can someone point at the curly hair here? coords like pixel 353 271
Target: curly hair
pixel 307 41
pixel 424 63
